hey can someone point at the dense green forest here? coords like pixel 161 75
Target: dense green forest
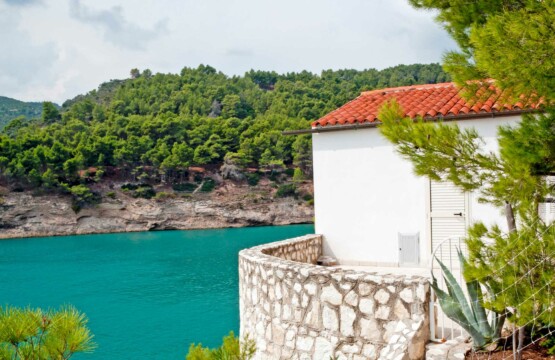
pixel 11 109
pixel 152 127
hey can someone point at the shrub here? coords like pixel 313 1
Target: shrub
pixel 253 179
pixel 164 195
pixel 308 197
pixel 185 187
pixel 286 190
pixel 289 172
pixel 82 196
pixel 274 176
pixel 145 192
pixel 548 342
pixel 298 175
pixel 208 185
pixel 111 195
pixel 129 186
pixel 232 348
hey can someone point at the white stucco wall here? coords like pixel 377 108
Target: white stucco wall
pixel 365 194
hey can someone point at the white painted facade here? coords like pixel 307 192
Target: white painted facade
pixel 366 194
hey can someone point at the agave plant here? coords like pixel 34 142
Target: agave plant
pixel 470 315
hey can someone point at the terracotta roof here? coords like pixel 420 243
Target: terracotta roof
pixel 433 101
pixel 197 169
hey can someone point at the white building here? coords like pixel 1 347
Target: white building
pixel 370 207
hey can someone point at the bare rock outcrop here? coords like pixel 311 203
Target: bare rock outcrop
pixel 24 215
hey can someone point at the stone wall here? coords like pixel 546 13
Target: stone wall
pixel 297 310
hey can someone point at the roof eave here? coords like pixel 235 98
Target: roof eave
pixel 366 125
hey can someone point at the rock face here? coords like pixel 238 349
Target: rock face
pixel 325 311
pixel 24 215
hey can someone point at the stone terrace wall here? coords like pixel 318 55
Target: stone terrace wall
pixel 305 249
pixel 297 310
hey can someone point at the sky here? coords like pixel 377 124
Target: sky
pixel 56 49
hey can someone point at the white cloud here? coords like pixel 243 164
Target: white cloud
pixel 116 28
pixel 25 64
pixel 22 2
pixel 67 47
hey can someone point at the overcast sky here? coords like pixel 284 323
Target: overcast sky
pixel 56 49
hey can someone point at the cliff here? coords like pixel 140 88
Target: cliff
pixel 23 214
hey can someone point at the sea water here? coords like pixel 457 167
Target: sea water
pixel 147 295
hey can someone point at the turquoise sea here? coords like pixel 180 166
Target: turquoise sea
pixel 148 295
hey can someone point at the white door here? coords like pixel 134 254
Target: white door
pixel 547 208
pixel 448 213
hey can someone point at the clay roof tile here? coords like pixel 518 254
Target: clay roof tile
pixel 430 101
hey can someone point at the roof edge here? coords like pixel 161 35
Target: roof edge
pixel 365 125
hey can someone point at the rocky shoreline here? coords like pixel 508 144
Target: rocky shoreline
pixel 23 214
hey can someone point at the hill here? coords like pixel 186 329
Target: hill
pixel 152 128
pixel 11 108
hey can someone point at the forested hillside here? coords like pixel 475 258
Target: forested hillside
pixel 11 108
pixel 153 127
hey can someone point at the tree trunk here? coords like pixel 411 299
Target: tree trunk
pixel 521 333
pixel 499 325
pixel 515 352
pixel 511 222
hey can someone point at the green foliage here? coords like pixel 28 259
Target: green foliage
pixel 50 112
pixel 139 190
pixel 289 172
pixel 549 343
pixel 522 280
pixel 515 180
pixel 11 109
pixel 82 196
pixel 145 192
pixel 111 194
pixel 471 316
pixel 507 40
pixel 164 123
pixel 298 175
pixel 208 185
pixel 185 187
pixel 253 178
pixel 129 186
pixel 444 151
pixel 35 334
pixel 286 190
pixel 231 349
pixel 164 195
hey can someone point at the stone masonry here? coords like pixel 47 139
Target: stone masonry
pixel 295 309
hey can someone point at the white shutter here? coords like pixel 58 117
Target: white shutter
pixel 448 219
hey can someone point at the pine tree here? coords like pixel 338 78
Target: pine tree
pixel 517 266
pixel 35 334
pixel 512 42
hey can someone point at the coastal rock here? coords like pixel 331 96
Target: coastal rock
pixel 23 214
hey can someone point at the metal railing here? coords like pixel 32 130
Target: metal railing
pixel 441 327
